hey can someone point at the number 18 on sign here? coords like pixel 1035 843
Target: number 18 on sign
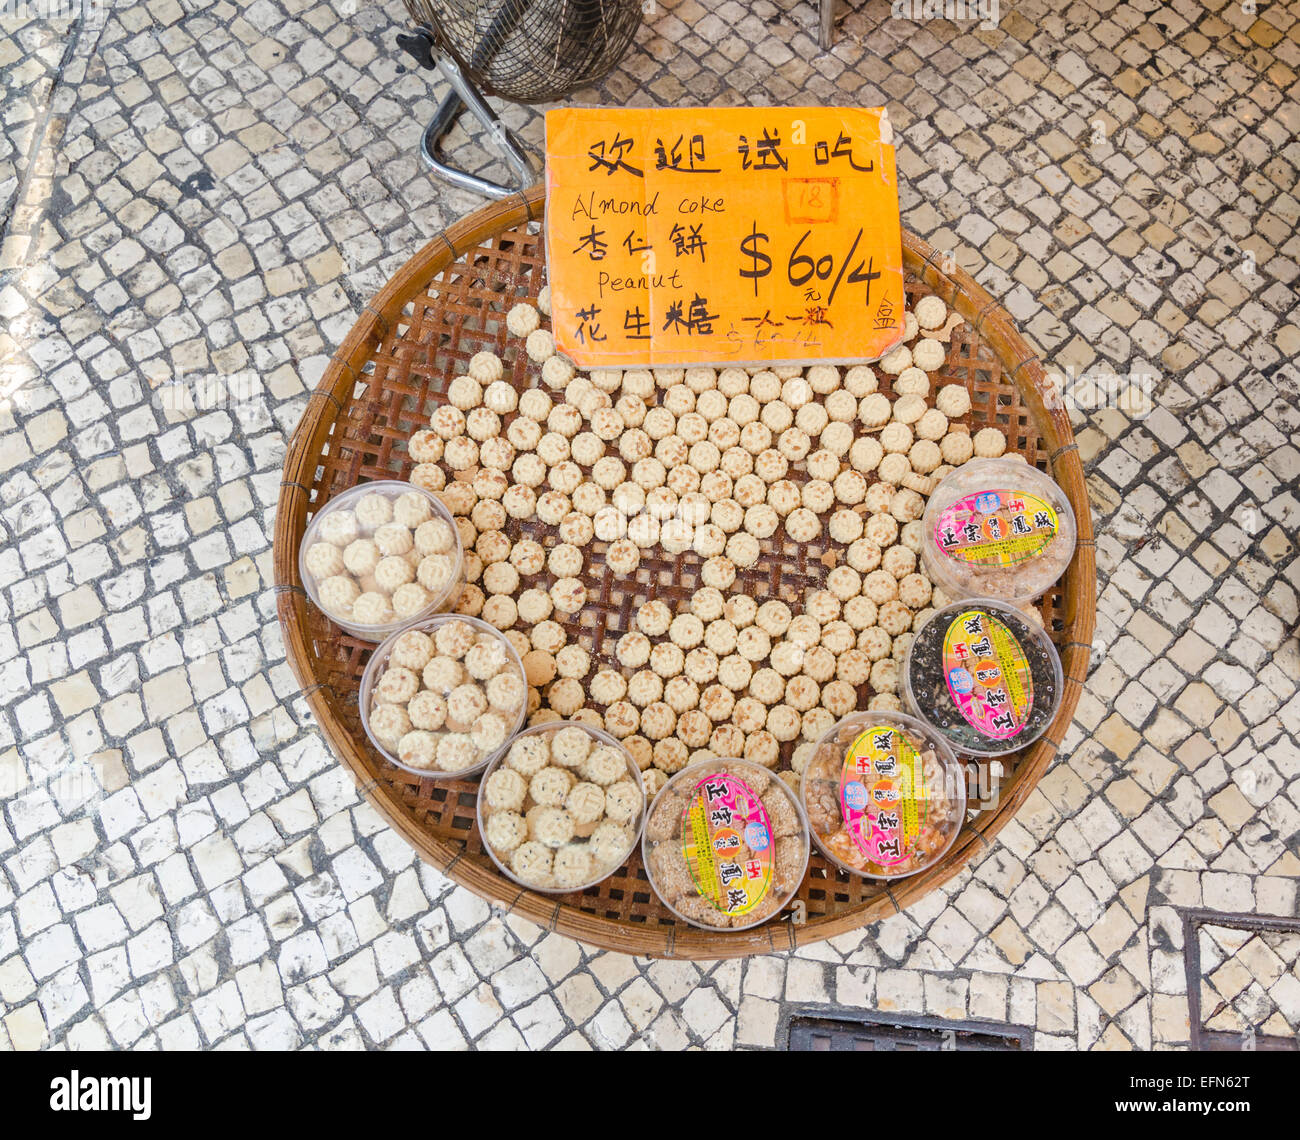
pixel 723 235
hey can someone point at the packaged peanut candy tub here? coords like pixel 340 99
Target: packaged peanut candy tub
pixel 983 676
pixel 726 844
pixel 885 795
pixel 997 528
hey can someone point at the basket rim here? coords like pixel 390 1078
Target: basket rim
pixel 330 397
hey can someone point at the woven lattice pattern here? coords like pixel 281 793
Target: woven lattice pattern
pixel 399 381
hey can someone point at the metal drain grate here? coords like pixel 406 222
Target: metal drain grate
pixel 900 1034
pixel 1243 981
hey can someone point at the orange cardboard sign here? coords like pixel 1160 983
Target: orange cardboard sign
pixel 740 235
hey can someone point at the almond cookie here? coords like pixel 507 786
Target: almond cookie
pixel 845 525
pixel 743 550
pixel 621 719
pixel 906 505
pixel 657 721
pixel 850 487
pixel 894 618
pixel 741 610
pixel 914 591
pixel 930 312
pixel 633 649
pixel 893 362
pixel 540 346
pixel 865 454
pixel 880 586
pixel 667 660
pixel 929 354
pixel 817 495
pixel 860 613
pixel 734 672
pixel 803 525
pixel 428 476
pixel 895 437
pixel 823 378
pixel 720 572
pixel 912 382
pixel 924 456
pixel 720 637
pixel 853 667
pixel 875 410
pixel 893 468
pixel 707 604
pixel 821 606
pixel 783 724
pixel 860 381
pixel 812 419
pixel 956 448
pixel 953 401
pixel 989 443
pixel 653 618
pixel 686 631
pixel 844 582
pixel 909 409
pixel 836 438
pixel 762 748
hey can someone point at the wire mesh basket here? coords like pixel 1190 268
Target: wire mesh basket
pixel 529 51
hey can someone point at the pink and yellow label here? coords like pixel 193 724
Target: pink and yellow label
pixel 996 528
pixel 988 674
pixel 727 841
pixel 882 788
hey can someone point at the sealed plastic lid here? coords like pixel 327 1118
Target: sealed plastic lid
pixel 997 528
pixel 884 793
pixel 442 697
pixel 984 676
pixel 726 844
pixel 562 808
pixel 380 556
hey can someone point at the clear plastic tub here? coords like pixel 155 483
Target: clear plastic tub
pixel 387 551
pixel 443 696
pixel 726 844
pixel 885 795
pixel 586 823
pixel 984 676
pixel 997 528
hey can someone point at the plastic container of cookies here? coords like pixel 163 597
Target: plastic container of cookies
pixel 997 528
pixel 380 556
pixel 885 795
pixel 442 697
pixel 984 676
pixel 561 808
pixel 726 844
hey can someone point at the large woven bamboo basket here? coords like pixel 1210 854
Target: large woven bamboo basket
pixel 383 383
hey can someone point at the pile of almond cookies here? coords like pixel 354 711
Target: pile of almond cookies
pixel 588 475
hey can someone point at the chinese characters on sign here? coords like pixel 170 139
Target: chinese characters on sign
pixel 722 235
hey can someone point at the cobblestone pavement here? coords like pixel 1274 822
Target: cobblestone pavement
pixel 211 191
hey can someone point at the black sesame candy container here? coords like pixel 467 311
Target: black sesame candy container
pixel 984 676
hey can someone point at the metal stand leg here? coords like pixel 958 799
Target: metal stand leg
pixel 826 32
pixel 465 96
